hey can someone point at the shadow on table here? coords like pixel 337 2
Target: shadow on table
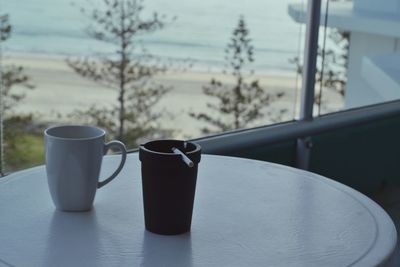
pixel 6 263
pixel 73 238
pixel 160 250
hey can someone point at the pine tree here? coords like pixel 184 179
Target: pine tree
pixel 238 105
pixel 331 68
pixel 129 70
pixel 10 76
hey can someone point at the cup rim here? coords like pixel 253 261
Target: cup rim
pixel 102 132
pixel 194 151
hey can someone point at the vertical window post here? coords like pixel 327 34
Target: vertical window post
pixel 308 82
pixel 1 108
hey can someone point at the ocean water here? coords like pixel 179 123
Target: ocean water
pixel 200 32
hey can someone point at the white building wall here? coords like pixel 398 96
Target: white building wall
pixel 358 91
pixel 381 6
pixel 374 26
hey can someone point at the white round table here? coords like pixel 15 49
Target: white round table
pixel 246 213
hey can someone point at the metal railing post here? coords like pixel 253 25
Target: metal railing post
pixel 1 114
pixel 308 82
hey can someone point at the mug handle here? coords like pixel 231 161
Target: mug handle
pixel 122 148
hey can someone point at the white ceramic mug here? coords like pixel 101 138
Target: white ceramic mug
pixel 73 160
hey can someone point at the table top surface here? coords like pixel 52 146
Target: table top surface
pixel 246 213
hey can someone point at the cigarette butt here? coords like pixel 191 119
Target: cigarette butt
pixel 183 157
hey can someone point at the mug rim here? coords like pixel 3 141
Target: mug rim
pixel 102 132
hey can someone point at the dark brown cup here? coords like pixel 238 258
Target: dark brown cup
pixel 169 185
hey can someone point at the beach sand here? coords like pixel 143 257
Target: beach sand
pixel 58 90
